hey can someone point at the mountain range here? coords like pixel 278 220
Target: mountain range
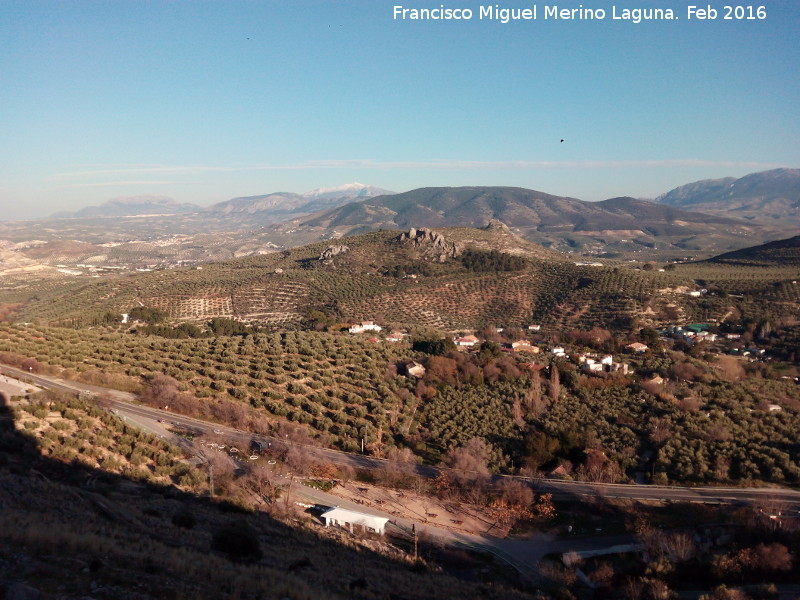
pixel 689 222
pixel 614 226
pixel 132 206
pixel 243 211
pixel 769 197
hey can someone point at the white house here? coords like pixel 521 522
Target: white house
pixel 346 518
pixel 524 346
pixel 467 340
pixel 365 326
pixel 637 347
pixel 559 351
pixel 414 369
pixel 608 359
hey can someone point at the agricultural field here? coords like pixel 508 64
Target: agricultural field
pixel 378 276
pixel 256 354
pixel 715 421
pixel 69 429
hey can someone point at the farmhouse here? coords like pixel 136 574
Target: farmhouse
pixel 592 366
pixel 637 347
pixel 524 346
pixel 364 326
pixel 467 340
pixel 345 518
pixel 414 369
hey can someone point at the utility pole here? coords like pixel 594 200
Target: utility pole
pixel 289 491
pixel 211 478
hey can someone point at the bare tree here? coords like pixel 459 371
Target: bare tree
pixel 220 469
pixel 633 588
pixel 533 395
pixel 471 471
pixel 262 480
pixel 678 547
pixel 346 474
pixel 660 430
pixel 162 390
pixel 398 470
pixel 515 493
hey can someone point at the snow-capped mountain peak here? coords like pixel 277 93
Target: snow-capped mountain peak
pixel 355 189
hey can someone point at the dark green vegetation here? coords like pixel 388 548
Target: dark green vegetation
pixel 716 420
pixel 492 261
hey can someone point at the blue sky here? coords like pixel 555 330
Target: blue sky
pixel 204 101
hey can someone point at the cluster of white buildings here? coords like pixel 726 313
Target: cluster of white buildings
pixel 593 363
pixel 365 326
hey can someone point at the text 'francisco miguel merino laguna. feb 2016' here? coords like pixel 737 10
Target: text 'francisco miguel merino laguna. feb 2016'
pixel 499 13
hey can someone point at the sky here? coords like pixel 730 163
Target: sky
pixel 203 101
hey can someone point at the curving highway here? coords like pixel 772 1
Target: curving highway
pixel 123 403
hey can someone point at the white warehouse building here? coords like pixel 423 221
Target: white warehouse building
pixel 345 518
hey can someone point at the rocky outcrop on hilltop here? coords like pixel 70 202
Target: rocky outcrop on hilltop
pixel 431 243
pixel 331 251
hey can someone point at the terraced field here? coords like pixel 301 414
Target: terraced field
pixel 378 276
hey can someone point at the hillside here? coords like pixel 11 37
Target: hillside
pixel 620 226
pixel 769 197
pixel 375 273
pixel 423 281
pixel 93 508
pixel 779 252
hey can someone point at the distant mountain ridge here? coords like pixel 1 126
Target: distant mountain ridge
pixel 557 222
pixel 126 206
pixel 771 197
pixel 272 208
pixel 622 227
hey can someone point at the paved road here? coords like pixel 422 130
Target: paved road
pixel 123 403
